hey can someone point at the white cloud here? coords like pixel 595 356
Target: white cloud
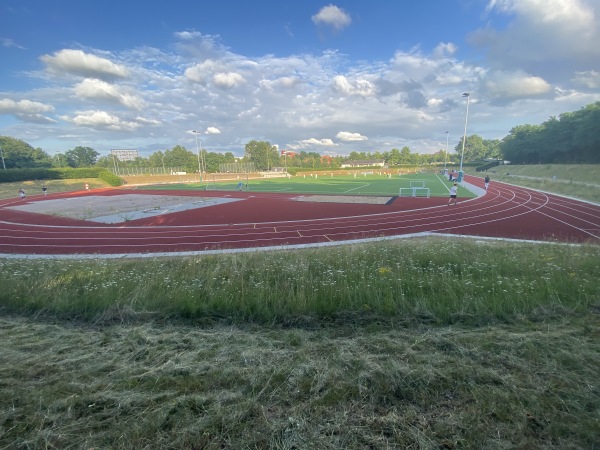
pixel 318 142
pixel 281 82
pixel 228 80
pixel 8 106
pixel 101 120
pixel 10 43
pixel 589 79
pixel 350 137
pixel 444 50
pixel 505 85
pixel 188 35
pixel 27 110
pixel 77 62
pixel 332 16
pixel 360 87
pixel 549 38
pixel 98 89
pixel 213 130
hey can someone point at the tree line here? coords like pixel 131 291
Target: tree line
pixel 262 155
pixel 571 138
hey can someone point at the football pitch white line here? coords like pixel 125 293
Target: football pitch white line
pixel 359 187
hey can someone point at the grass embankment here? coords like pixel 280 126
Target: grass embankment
pixel 406 344
pixel 573 180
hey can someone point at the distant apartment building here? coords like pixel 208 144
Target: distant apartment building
pixel 125 155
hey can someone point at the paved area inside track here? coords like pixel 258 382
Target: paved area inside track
pixel 118 208
pixel 373 200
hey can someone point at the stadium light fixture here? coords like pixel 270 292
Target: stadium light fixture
pixel 198 151
pixel 466 94
pixel 446 157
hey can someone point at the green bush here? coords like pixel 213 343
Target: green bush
pixel 14 175
pixel 111 178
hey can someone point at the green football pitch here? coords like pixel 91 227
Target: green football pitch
pixel 325 184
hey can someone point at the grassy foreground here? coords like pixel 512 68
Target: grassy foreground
pixel 422 344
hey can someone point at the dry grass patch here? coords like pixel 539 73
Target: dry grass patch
pixel 151 386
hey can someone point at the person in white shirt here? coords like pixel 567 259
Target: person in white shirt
pixel 453 194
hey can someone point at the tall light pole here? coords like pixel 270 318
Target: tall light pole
pixel 2 155
pixel 460 171
pixel 446 157
pixel 198 151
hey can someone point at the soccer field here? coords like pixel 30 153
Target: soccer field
pixel 325 184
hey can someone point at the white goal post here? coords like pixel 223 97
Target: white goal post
pixel 417 183
pixel 414 192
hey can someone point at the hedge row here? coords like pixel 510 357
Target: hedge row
pixel 16 175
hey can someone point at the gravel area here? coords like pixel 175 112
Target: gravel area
pixel 344 199
pixel 118 208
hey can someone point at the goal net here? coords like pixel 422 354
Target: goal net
pixel 414 192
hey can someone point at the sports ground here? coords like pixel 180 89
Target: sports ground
pixel 284 212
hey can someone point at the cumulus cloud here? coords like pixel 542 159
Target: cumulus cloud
pixel 444 50
pixel 27 110
pixel 101 120
pixel 188 35
pixel 96 89
pixel 350 137
pixel 360 87
pixel 332 16
pixel 318 142
pixel 281 82
pixel 8 106
pixel 228 80
pixel 589 79
pixel 543 37
pixel 76 62
pixel 213 130
pixel 506 85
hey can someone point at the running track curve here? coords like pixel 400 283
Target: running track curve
pixel 273 220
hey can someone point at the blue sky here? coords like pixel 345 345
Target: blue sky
pixel 331 77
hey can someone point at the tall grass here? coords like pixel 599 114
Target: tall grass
pixel 441 281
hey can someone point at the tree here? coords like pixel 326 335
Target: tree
pixel 474 149
pixel 81 157
pixel 521 145
pixel 262 154
pixel 18 154
pixel 405 156
pixel 180 158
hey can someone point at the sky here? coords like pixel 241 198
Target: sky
pixel 305 75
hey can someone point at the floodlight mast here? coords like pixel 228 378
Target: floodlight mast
pixel 462 155
pixel 446 157
pixel 198 151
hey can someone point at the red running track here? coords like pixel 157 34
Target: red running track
pixel 266 220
